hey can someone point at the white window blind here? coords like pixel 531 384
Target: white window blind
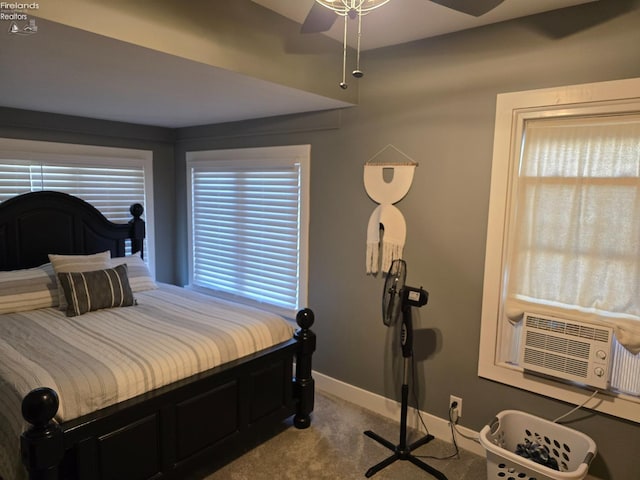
pixel 16 178
pixel 110 179
pixel 248 226
pixel 112 190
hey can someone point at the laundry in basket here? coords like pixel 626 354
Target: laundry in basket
pixel 571 450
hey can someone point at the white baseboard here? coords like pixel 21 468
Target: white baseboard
pixel 438 427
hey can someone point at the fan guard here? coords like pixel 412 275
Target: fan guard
pixel 392 293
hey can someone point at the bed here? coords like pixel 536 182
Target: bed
pixel 143 386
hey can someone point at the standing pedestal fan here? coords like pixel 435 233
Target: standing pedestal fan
pixel 397 300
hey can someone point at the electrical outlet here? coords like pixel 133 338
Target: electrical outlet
pixel 456 411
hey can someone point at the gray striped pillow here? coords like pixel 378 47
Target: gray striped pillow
pixel 95 290
pixel 77 263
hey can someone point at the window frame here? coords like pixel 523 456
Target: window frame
pixel 262 156
pixel 512 109
pixel 65 154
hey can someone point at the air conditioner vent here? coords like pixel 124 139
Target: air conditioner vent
pixel 566 349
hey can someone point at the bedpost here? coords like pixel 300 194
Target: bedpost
pixel 137 231
pixel 42 444
pixel 303 383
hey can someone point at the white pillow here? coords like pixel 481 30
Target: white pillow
pixel 137 271
pixel 28 289
pixel 77 263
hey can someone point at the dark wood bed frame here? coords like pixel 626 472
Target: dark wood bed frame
pixel 172 430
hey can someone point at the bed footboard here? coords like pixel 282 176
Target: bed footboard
pixel 42 445
pixel 154 437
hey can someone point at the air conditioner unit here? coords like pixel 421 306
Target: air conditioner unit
pixel 567 349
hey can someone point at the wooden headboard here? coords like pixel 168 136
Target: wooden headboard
pixel 35 224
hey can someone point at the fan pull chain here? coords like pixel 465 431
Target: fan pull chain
pixel 343 83
pixel 357 73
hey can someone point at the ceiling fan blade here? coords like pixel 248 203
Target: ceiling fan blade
pixel 319 19
pixel 470 7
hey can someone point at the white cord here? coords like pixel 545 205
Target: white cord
pixel 576 408
pixel 475 438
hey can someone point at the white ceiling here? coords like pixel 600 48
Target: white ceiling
pixel 69 71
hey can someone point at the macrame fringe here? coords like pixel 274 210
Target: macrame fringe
pixel 390 252
pixel 373 250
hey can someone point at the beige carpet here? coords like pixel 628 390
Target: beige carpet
pixel 334 447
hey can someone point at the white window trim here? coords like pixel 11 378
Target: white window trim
pixel 302 154
pixel 69 153
pixel 511 110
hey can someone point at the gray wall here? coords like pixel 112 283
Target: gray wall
pixel 435 100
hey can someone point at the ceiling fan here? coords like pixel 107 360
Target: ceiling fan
pixel 321 18
pixel 323 14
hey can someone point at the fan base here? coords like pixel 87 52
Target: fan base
pixel 402 454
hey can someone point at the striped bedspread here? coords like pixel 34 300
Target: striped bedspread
pixel 104 357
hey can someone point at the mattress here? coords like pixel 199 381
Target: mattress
pixel 104 357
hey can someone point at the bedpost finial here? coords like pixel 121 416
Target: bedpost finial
pixel 305 318
pixel 137 232
pixel 42 444
pixel 136 210
pixel 39 406
pixel 304 383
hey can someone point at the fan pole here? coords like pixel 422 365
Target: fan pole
pixel 402 451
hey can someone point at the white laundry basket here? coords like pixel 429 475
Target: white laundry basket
pixel 573 450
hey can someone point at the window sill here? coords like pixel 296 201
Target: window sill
pixel 618 405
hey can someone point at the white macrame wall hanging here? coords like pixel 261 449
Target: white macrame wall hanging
pixel 386 183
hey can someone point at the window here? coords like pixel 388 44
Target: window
pixel 110 179
pixel 575 229
pixel 564 224
pixel 248 221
